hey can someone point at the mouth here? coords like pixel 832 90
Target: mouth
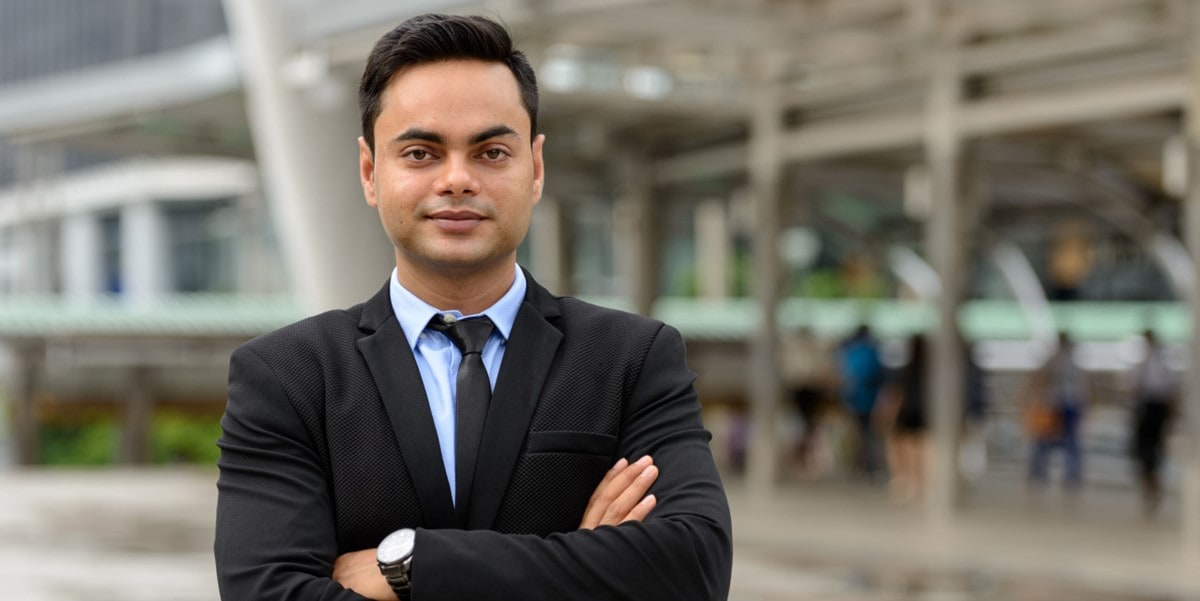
pixel 456 221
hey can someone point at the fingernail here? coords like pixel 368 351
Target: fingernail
pixel 648 499
pixel 620 464
pixel 648 472
pixel 645 460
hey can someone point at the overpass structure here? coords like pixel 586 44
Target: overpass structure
pixel 713 136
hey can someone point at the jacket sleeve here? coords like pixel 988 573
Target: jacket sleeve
pixel 682 551
pixel 275 534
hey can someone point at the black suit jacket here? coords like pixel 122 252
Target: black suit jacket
pixel 328 445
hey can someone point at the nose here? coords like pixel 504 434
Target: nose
pixel 457 178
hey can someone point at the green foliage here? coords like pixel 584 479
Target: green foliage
pixel 686 282
pixel 92 443
pixel 742 268
pixel 176 438
pixel 824 283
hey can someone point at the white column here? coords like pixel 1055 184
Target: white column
pixel 33 269
pixel 712 249
pixel 549 246
pixel 1190 395
pixel 943 149
pixel 765 378
pixel 144 276
pixel 22 389
pixel 81 257
pixel 635 244
pixel 23 262
pixel 333 246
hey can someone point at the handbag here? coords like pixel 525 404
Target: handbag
pixel 1042 420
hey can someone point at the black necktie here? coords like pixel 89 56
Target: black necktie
pixel 474 391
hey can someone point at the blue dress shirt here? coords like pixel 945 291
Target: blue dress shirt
pixel 438 359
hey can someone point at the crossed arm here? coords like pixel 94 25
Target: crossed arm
pixel 620 497
pixel 274 540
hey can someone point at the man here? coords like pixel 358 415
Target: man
pixel 1154 392
pixel 1062 384
pixel 862 377
pixel 587 475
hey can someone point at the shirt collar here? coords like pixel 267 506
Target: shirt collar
pixel 414 314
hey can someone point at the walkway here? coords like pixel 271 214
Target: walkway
pixel 128 535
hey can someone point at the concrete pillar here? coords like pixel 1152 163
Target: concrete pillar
pixel 8 260
pixel 713 245
pixel 636 245
pixel 766 382
pixel 27 361
pixel 138 415
pixel 33 267
pixel 1190 395
pixel 144 252
pixel 82 271
pixel 25 258
pixel 334 248
pixel 547 236
pixel 944 241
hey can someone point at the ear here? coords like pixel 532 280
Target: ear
pixel 366 171
pixel 539 167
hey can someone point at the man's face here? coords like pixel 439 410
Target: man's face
pixel 454 174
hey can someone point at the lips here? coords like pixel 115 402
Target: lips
pixel 456 222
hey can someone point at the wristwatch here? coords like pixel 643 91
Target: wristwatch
pixel 395 560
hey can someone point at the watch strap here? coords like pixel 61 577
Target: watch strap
pixel 397 576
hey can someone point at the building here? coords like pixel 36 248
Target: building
pixel 151 150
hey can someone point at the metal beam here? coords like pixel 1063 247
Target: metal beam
pixel 1055 46
pixel 903 129
pixel 61 104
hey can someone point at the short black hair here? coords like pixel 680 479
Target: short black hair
pixel 434 38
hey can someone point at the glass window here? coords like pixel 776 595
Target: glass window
pixel 110 252
pixel 201 245
pixel 591 242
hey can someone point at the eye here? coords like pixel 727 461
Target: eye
pixel 418 155
pixel 494 154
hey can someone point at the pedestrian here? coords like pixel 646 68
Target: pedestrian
pixel 1154 400
pixel 862 377
pixel 904 413
pixel 464 433
pixel 972 446
pixel 806 371
pixel 1055 415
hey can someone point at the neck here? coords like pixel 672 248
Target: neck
pixel 468 293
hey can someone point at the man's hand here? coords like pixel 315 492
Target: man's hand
pixel 621 496
pixel 359 572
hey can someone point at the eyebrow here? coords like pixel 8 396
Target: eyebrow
pixel 416 133
pixel 492 132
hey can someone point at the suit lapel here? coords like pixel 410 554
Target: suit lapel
pixel 391 362
pixel 527 359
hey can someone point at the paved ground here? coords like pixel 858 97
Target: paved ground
pixel 848 543
pixel 127 535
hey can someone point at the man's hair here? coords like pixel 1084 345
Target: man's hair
pixel 434 38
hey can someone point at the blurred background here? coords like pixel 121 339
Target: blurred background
pixel 934 260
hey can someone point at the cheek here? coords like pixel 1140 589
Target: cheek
pixel 392 213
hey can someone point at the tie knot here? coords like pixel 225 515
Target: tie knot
pixel 469 335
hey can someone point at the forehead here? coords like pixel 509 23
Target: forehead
pixel 453 93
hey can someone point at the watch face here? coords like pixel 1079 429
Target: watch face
pixel 396 547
